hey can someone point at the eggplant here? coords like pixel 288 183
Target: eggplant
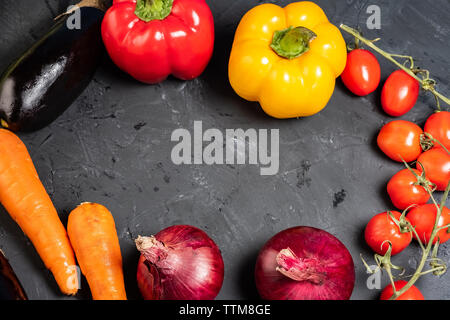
pixel 10 287
pixel 42 83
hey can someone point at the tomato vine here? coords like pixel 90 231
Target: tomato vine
pixel 430 248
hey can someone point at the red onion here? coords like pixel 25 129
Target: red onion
pixel 179 263
pixel 304 263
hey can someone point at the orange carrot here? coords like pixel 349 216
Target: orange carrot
pixel 24 197
pixel 93 235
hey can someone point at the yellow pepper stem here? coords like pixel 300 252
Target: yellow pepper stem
pixel 291 42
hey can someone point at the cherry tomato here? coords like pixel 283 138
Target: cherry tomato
pixel 404 192
pixel 411 294
pixel 436 163
pixel 362 72
pixel 438 125
pixel 399 94
pixel 423 218
pixel 381 228
pixel 400 139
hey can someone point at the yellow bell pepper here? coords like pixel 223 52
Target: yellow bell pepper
pixel 288 59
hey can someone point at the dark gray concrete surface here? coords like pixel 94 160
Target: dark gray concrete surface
pixel 113 147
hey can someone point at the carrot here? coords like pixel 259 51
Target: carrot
pixel 24 197
pixel 93 235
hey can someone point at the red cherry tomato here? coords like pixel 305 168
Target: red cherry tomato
pixel 423 218
pixel 404 192
pixel 381 228
pixel 400 139
pixel 438 125
pixel 411 294
pixel 362 72
pixel 399 94
pixel 436 163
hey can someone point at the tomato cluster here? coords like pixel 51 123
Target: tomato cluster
pixel 362 76
pixel 403 140
pixel 389 233
pixel 409 189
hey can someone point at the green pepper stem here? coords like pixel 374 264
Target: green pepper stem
pixel 426 83
pixel 291 42
pixel 148 10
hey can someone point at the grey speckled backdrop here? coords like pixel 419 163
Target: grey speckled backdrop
pixel 113 147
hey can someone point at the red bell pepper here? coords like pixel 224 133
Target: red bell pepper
pixel 151 39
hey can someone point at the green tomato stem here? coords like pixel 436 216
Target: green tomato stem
pixel 418 239
pixel 431 271
pixel 391 279
pixel 444 227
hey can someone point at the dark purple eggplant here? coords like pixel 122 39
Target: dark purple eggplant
pixel 48 77
pixel 10 287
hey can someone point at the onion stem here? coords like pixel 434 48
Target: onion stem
pixel 426 82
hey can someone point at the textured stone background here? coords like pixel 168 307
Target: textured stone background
pixel 113 147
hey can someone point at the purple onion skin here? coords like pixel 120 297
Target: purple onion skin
pixel 192 270
pixel 336 272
